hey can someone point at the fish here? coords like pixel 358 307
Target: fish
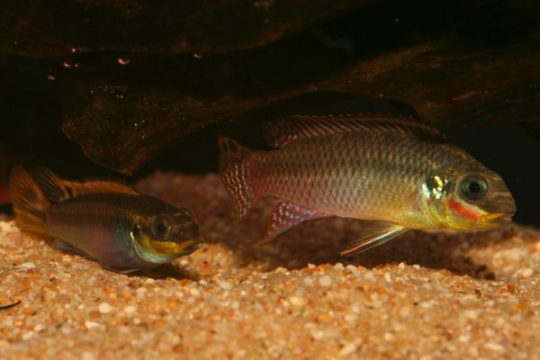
pixel 106 221
pixel 397 172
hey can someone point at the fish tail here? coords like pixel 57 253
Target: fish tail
pixel 233 170
pixel 32 193
pixel 29 202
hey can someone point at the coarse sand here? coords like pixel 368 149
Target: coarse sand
pixel 423 296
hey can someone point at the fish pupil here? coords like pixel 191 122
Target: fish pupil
pixel 161 228
pixel 474 188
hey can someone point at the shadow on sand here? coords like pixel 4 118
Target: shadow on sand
pixel 320 242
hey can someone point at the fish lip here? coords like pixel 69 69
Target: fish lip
pixel 497 219
pixel 190 245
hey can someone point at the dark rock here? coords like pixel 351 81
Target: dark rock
pixel 467 63
pixel 58 28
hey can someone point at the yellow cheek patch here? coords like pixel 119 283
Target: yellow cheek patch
pixel 163 247
pixel 167 247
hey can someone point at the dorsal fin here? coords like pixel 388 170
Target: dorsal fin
pixel 98 187
pixel 57 190
pixel 285 130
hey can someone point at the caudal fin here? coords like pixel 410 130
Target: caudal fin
pixel 232 167
pixel 31 193
pixel 29 202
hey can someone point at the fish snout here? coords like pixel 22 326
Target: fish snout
pixel 188 231
pixel 504 204
pixel 187 234
pixel 185 227
pixel 501 209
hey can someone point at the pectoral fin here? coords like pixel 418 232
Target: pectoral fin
pixel 286 215
pixel 374 235
pixel 67 247
pixel 111 259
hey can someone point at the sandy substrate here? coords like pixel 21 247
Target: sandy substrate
pixel 423 296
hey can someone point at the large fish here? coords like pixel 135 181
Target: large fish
pixel 103 220
pixel 399 173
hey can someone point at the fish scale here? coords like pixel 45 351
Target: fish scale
pixel 90 217
pixel 344 185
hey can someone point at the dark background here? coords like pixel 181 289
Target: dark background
pixel 190 72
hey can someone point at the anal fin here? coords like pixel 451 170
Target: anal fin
pixel 374 235
pixel 286 215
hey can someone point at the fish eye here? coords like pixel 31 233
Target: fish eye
pixel 474 187
pixel 162 226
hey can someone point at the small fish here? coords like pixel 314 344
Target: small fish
pixel 397 172
pixel 105 221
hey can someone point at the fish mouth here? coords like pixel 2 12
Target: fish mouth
pixel 497 219
pixel 189 246
pixel 193 242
